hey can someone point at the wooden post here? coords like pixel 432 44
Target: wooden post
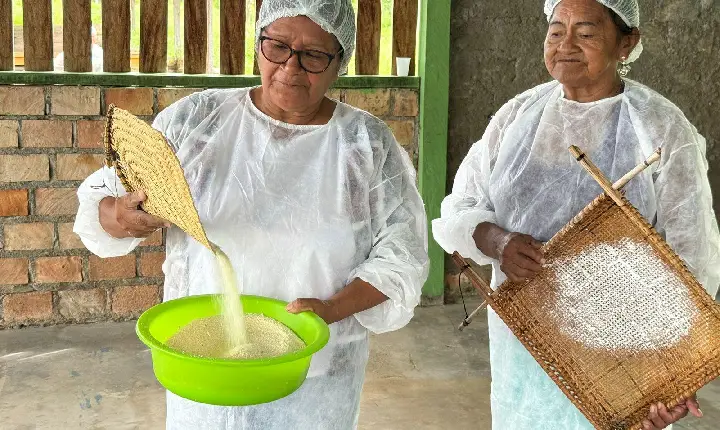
pixel 195 36
pixel 367 57
pixel 434 71
pixel 153 36
pixel 210 52
pixel 405 16
pixel 38 35
pixel 116 35
pixel 77 40
pixel 258 5
pixel 232 37
pixel 176 22
pixel 7 56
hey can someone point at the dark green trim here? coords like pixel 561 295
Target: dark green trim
pixel 187 81
pixel 434 70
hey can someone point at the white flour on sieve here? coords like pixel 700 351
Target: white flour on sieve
pixel 621 297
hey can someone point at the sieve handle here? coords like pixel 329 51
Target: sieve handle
pixel 479 284
pixel 466 322
pixel 654 158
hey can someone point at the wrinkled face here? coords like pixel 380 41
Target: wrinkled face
pixel 288 86
pixel 583 44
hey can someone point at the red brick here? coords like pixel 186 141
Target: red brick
pixel 29 236
pixel 13 271
pixel 67 238
pixel 42 133
pixel 377 102
pixel 8 134
pixel 24 307
pixel 13 202
pixel 75 100
pixel 56 201
pixel 335 94
pixel 82 304
pixel 168 96
pixel 90 134
pixel 406 103
pixel 155 239
pixel 404 132
pixel 112 268
pixel 21 168
pixel 58 269
pixel 133 300
pixel 22 100
pixel 75 167
pixel 151 263
pixel 138 101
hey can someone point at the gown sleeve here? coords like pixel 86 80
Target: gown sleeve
pixel 469 203
pixel 398 261
pixel 685 216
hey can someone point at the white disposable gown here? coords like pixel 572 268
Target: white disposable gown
pixel 301 210
pixel 521 177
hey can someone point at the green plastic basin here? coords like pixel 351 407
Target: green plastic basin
pixel 222 381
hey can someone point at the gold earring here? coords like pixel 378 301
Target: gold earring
pixel 624 67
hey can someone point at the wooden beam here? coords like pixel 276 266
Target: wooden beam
pixel 116 35
pixel 434 70
pixel 7 57
pixel 405 16
pixel 367 56
pixel 77 41
pixel 195 36
pixel 153 36
pixel 38 35
pixel 232 37
pixel 160 80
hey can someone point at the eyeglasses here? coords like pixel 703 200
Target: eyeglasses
pixel 311 61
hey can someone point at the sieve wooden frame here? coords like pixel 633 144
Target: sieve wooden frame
pixel 143 160
pixel 614 390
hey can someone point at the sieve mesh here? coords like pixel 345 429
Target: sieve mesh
pixel 615 318
pixel 144 161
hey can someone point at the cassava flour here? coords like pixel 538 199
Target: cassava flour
pixel 232 310
pixel 207 337
pixel 620 297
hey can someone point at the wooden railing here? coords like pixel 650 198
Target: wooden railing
pixel 37 52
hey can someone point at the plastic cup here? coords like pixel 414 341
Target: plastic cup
pixel 403 66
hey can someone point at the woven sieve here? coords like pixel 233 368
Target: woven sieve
pixel 144 161
pixel 610 256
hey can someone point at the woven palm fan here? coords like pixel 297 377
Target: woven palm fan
pixel 615 318
pixel 144 161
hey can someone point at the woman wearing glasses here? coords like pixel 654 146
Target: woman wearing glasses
pixel 313 200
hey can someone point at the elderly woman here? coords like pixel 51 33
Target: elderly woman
pixel 518 186
pixel 313 201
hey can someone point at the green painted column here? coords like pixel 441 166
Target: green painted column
pixel 434 71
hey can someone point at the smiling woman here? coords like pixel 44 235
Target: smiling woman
pixel 517 187
pixel 582 49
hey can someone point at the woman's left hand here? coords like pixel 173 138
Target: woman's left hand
pixel 325 309
pixel 660 417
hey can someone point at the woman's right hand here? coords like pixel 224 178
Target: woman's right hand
pixel 122 217
pixel 520 255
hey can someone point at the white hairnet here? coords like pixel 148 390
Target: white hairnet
pixel 337 17
pixel 628 10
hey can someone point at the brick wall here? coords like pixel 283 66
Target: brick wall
pixel 50 140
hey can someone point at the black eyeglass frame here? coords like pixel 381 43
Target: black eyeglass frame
pixel 299 54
